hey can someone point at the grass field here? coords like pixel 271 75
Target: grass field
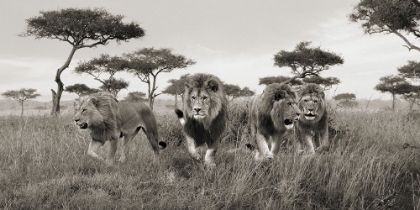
pixel 374 165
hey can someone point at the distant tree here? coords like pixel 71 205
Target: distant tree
pixel 410 71
pixel 279 79
pixel 176 88
pixel 148 63
pixel 306 61
pixel 234 91
pixel 393 84
pixel 326 82
pixel 135 96
pixel 346 99
pixel 412 95
pixel 96 67
pixel 114 86
pixel 80 89
pixel 81 28
pixel 246 92
pixel 21 95
pixel 399 17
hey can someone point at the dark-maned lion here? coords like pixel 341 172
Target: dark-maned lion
pixel 205 115
pixel 108 119
pixel 312 127
pixel 272 114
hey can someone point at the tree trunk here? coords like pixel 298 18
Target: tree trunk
pixel 176 100
pixel 393 102
pixel 21 113
pixel 56 96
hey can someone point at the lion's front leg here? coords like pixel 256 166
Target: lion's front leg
pixel 112 150
pixel 94 146
pixel 209 157
pixel 263 150
pixel 275 146
pixel 324 140
pixel 192 149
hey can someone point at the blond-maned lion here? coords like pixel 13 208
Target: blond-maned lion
pixel 205 115
pixel 108 119
pixel 312 127
pixel 272 114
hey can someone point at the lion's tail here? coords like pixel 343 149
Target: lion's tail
pixel 180 115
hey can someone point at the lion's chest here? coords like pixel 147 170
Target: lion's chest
pixel 197 131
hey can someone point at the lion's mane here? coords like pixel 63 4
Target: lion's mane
pixel 265 105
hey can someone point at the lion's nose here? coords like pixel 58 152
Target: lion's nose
pixel 311 110
pixel 197 109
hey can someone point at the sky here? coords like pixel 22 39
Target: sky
pixel 235 40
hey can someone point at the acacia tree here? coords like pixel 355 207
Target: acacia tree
pixel 81 28
pixel 412 95
pixel 346 99
pixel 21 96
pixel 135 96
pixel 234 91
pixel 401 17
pixel 279 79
pixel 306 61
pixel 104 64
pixel 80 89
pixel 176 88
pixel 325 82
pixel 148 63
pixel 393 84
pixel 410 70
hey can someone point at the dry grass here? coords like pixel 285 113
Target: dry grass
pixel 375 165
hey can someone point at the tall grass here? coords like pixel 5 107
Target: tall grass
pixel 375 164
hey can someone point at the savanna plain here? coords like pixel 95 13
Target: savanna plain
pixel 374 163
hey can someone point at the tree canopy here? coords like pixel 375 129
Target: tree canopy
pixel 108 65
pixel 279 79
pixel 399 17
pixel 81 28
pixel 80 89
pixel 148 63
pixel 345 96
pixel 135 96
pixel 325 82
pixel 395 85
pixel 305 60
pixel 410 71
pixel 21 95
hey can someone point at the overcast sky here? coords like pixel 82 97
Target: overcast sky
pixel 233 39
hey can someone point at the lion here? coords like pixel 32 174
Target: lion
pixel 108 119
pixel 205 115
pixel 272 114
pixel 312 128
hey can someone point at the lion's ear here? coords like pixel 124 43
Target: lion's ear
pixel 279 95
pixel 94 101
pixel 213 85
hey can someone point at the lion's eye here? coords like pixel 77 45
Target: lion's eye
pixel 205 97
pixel 84 110
pixel 315 101
pixel 306 100
pixel 193 97
pixel 289 103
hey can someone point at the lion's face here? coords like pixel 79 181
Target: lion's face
pixel 204 97
pixel 312 106
pixel 285 112
pixel 85 112
pixel 200 103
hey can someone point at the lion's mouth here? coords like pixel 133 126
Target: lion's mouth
pixel 83 126
pixel 199 116
pixel 310 116
pixel 288 123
